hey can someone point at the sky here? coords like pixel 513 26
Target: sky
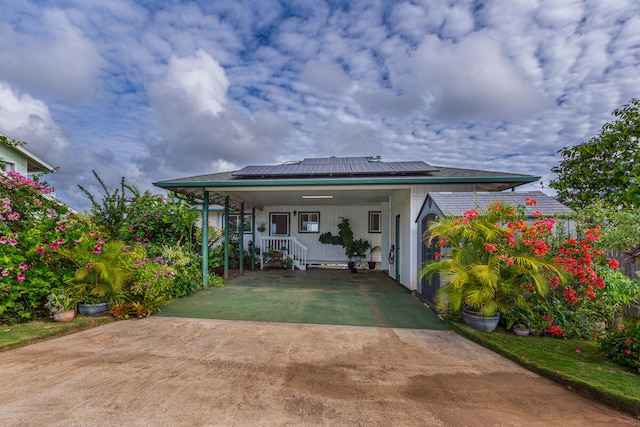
pixel 156 90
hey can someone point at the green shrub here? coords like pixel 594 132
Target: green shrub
pixel 622 345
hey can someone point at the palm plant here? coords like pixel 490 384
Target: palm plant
pixel 103 269
pixel 491 261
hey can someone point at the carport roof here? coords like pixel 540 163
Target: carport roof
pixel 259 191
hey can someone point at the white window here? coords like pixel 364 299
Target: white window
pixel 234 223
pixel 309 222
pixel 375 222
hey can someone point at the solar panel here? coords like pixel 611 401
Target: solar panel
pixel 336 166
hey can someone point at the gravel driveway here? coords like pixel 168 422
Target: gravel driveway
pixel 167 371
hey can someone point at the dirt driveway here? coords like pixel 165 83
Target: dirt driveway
pixel 167 371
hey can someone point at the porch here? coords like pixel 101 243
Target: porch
pixel 315 296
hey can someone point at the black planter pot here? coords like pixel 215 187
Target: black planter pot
pixel 93 310
pixel 352 266
pixel 372 265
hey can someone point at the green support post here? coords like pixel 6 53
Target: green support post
pixel 205 240
pixel 226 238
pixel 253 239
pixel 241 237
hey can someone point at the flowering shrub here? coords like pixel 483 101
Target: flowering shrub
pixel 498 261
pixel 495 259
pixel 28 216
pixel 623 345
pixel 153 280
pixel 158 221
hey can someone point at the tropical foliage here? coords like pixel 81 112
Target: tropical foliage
pixel 606 167
pixel 136 251
pixel 498 261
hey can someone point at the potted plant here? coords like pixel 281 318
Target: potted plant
pixel 261 227
pixel 61 306
pixel 352 248
pixel 493 260
pixel 103 269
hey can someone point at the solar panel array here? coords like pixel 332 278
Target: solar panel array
pixel 336 166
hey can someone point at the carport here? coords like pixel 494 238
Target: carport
pixel 315 296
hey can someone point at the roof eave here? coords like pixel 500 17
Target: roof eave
pixel 515 180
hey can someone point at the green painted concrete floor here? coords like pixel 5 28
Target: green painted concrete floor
pixel 330 297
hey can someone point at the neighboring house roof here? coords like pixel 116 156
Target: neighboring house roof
pixel 456 204
pixel 34 163
pixel 339 172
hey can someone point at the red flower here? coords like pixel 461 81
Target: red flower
pixel 491 247
pixel 613 263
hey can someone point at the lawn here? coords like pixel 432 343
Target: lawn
pixel 12 336
pixel 571 362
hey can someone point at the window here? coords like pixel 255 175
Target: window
pixel 234 223
pixel 9 167
pixel 279 224
pixel 375 222
pixel 309 222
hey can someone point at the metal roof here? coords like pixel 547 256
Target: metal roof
pixel 456 204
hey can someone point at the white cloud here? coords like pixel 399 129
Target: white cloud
pixel 474 79
pixel 55 59
pixel 28 119
pixel 196 83
pixel 325 77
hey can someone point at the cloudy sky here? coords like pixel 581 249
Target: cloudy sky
pixel 155 90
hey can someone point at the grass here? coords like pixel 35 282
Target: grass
pixel 26 333
pixel 574 363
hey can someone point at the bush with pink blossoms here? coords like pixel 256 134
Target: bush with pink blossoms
pixel 28 216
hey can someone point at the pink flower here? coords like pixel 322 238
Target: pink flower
pixel 40 250
pixel 5 272
pixel 23 266
pixel 578 350
pixel 627 351
pixel 20 277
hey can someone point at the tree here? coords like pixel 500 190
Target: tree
pixel 109 215
pixel 606 167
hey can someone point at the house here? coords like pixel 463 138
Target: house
pixel 293 203
pixel 442 204
pixel 16 158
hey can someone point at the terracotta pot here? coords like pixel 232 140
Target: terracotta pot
pixel 64 316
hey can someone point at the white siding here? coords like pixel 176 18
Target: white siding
pixel 329 219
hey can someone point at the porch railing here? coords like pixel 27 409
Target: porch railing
pixel 284 247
